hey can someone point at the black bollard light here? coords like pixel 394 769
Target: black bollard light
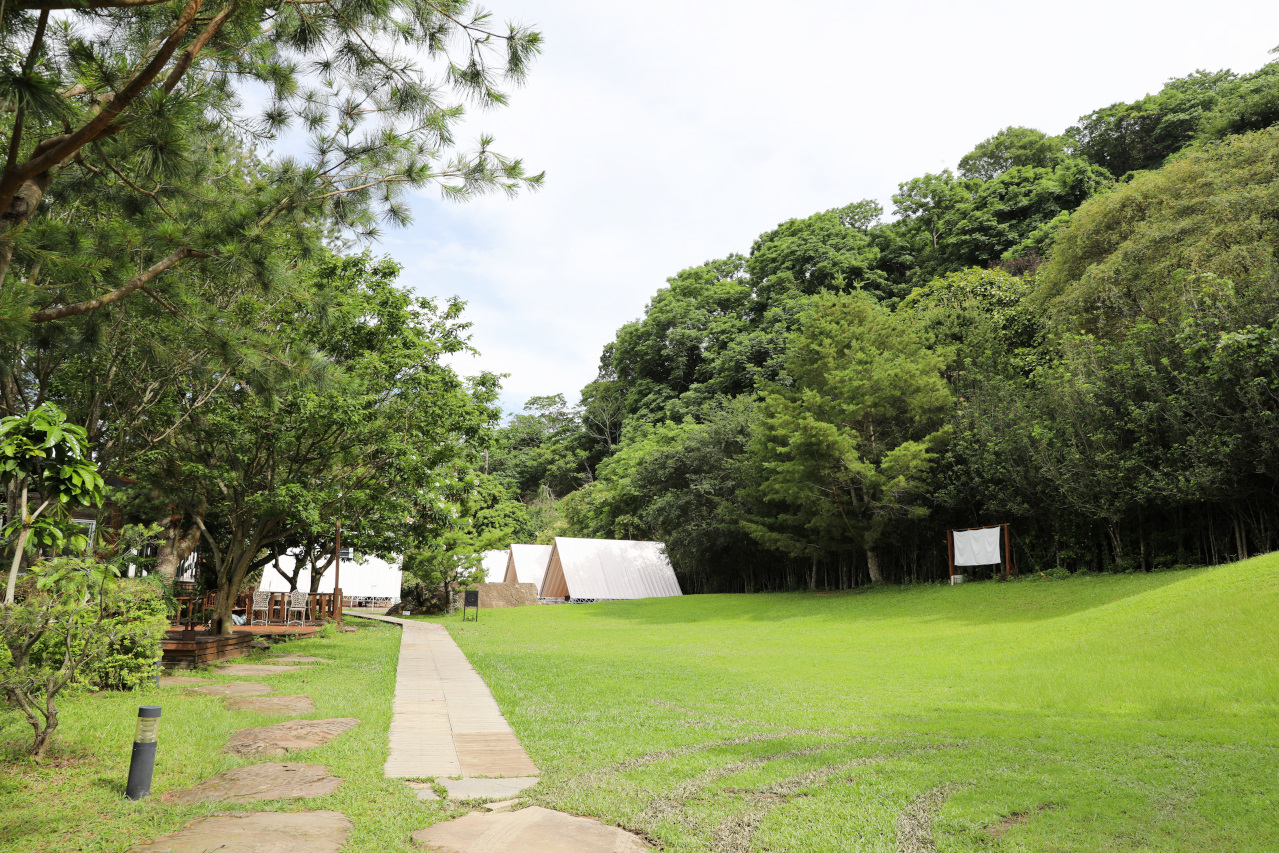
pixel 142 764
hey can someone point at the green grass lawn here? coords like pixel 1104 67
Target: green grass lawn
pixel 1134 712
pixel 77 802
pixel 1130 712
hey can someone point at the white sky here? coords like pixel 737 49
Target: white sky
pixel 675 132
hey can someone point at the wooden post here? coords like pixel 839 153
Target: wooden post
pixel 950 554
pixel 337 574
pixel 1008 551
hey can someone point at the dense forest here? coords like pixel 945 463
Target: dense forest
pixel 1075 334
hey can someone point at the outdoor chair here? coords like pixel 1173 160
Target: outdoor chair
pixel 261 602
pixel 297 602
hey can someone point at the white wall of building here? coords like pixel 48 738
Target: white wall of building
pixel 364 577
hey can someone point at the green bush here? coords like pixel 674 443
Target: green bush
pixel 138 617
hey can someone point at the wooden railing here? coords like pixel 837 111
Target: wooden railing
pixel 196 610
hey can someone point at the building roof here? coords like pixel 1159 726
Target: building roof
pixel 494 563
pixel 608 569
pixel 527 564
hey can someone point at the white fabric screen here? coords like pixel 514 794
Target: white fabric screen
pixel 977 547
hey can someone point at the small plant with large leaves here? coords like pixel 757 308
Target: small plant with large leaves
pixel 45 458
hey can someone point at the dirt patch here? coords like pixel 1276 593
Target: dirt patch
pixel 999 829
pixel 493 595
pixel 915 824
pixel 282 738
pixel 181 681
pixel 258 832
pixel 271 705
pixel 259 782
pixel 235 688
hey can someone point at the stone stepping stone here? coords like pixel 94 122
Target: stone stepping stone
pixel 271 704
pixel 235 688
pixel 479 789
pixel 294 658
pixel 258 832
pixel 278 740
pixel 181 681
pixel 258 669
pixel 531 830
pixel 259 782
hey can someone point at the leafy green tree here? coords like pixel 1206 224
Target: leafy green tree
pixel 928 202
pixel 1249 103
pixel 256 470
pixel 1123 138
pixel 847 449
pixel 1015 213
pixel 829 250
pixel 1010 148
pixel 42 455
pixel 1139 252
pixel 544 446
pixel 123 119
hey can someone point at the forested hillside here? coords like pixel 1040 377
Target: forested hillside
pixel 1075 334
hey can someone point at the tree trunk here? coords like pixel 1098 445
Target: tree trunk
pixel 222 623
pixel 19 546
pixel 176 545
pixel 812 577
pixel 872 565
pixel 1241 539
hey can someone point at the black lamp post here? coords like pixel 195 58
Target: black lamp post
pixel 142 762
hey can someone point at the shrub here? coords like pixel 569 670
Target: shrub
pixel 136 619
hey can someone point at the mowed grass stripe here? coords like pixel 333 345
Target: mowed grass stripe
pixel 1128 712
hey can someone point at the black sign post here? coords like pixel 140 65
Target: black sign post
pixel 471 598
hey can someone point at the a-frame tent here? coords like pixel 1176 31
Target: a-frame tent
pixel 527 564
pixel 494 563
pixel 608 569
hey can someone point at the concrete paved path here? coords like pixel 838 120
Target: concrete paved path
pixel 446 722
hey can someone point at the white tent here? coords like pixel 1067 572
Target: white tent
pixel 363 577
pixel 594 569
pixel 527 564
pixel 494 564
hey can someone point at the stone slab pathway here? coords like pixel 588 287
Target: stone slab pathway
pixel 235 688
pixel 290 736
pixel 479 789
pixel 531 830
pixel 257 832
pixel 274 781
pixel 271 705
pixel 445 721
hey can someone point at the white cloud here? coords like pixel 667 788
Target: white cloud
pixel 675 132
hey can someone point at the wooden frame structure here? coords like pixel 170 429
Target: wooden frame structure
pixel 1008 564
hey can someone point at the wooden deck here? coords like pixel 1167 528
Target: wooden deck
pixel 190 649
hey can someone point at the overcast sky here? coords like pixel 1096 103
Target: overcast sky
pixel 673 133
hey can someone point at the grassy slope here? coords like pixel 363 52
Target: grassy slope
pixel 1134 712
pixel 78 803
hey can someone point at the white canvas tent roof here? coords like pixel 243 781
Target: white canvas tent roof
pixel 527 564
pixel 494 563
pixel 608 569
